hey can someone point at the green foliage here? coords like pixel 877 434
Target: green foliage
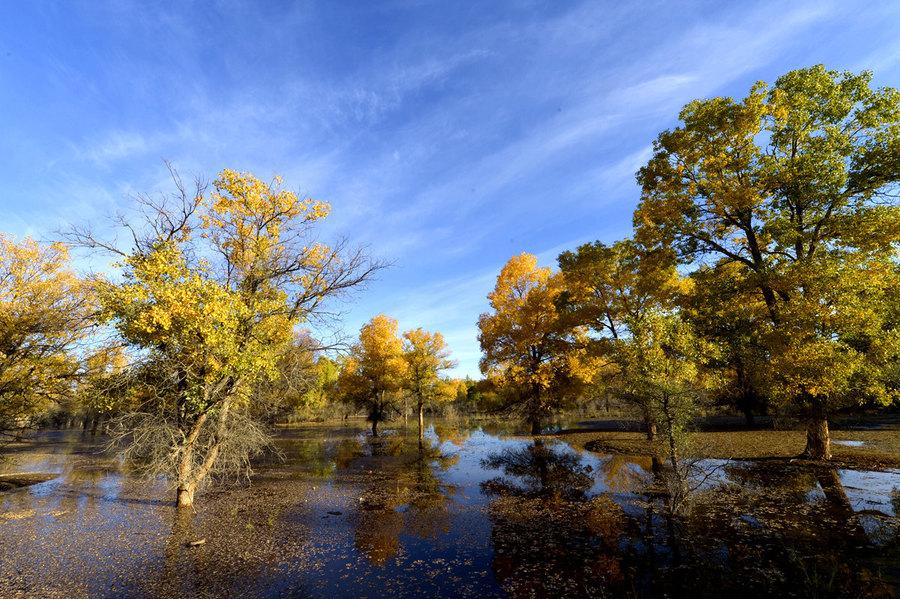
pixel 302 386
pixel 715 308
pixel 791 191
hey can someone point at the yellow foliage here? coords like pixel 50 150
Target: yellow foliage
pixel 224 310
pixel 44 315
pixel 426 356
pixel 376 368
pixel 530 347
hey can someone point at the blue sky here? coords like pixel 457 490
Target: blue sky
pixel 447 136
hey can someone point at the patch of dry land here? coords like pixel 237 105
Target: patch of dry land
pixel 870 449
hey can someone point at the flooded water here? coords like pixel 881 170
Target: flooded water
pixel 476 512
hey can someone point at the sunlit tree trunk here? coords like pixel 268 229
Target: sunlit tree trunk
pixel 421 407
pixel 185 495
pixel 818 439
pixel 189 475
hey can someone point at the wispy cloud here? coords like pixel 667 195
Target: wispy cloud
pixel 444 142
pixel 114 146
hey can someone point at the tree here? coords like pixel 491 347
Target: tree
pixel 661 371
pixel 426 357
pixel 629 297
pixel 103 391
pixel 45 312
pixel 326 372
pixel 210 292
pixel 375 371
pixel 531 350
pixel 795 187
pixel 617 291
pixel 468 396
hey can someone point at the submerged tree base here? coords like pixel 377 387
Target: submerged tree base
pixel 184 497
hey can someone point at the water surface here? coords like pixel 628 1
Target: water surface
pixel 476 512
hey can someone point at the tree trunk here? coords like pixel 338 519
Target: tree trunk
pixel 535 410
pixel 421 423
pixel 374 426
pixel 748 417
pixel 187 482
pixel 818 439
pixel 185 495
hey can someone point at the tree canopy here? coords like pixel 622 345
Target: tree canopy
pixel 376 370
pixel 45 316
pixel 427 356
pixel 530 347
pixel 210 293
pixel 794 186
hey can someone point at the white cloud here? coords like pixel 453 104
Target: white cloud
pixel 113 146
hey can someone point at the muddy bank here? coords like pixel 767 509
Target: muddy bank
pixel 12 482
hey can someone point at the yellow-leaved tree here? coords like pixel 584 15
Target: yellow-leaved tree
pixel 795 187
pixel 532 351
pixel 44 316
pixel 626 296
pixel 375 371
pixel 427 356
pixel 104 390
pixel 210 292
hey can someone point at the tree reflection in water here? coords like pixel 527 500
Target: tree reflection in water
pixel 343 516
pixel 454 433
pixel 403 495
pixel 550 538
pixel 780 529
pixel 775 530
pixel 537 470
